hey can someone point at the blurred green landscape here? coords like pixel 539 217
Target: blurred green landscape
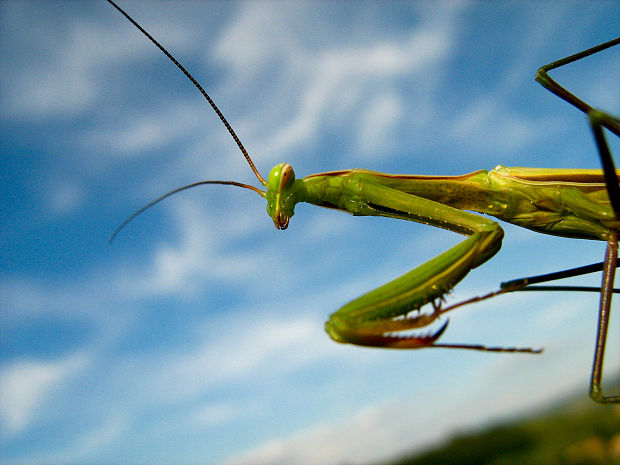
pixel 574 432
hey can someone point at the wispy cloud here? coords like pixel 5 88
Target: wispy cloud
pixel 26 385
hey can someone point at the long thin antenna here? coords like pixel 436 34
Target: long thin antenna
pixel 179 189
pixel 199 87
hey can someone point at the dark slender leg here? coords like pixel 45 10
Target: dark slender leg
pixel 543 78
pixel 525 284
pixel 597 120
pixel 611 259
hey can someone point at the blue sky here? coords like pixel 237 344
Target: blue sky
pixel 197 337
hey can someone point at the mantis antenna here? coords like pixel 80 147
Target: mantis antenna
pixel 223 119
pixel 174 191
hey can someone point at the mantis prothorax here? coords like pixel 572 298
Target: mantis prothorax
pixel 581 204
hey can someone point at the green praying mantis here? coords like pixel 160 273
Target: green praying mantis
pixel 582 204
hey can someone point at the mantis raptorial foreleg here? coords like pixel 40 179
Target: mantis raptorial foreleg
pixel 369 319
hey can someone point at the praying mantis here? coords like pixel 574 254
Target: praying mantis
pixel 582 204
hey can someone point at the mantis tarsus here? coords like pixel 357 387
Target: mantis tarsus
pixel 581 204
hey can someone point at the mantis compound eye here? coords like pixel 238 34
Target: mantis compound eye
pixel 287 175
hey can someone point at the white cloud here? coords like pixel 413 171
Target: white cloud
pixel 25 385
pixel 375 433
pixel 486 124
pixel 246 350
pixel 139 133
pixel 64 198
pixel 377 123
pixel 214 414
pixel 183 267
pixel 337 80
pixel 319 88
pixel 90 442
pixel 69 78
pixel 86 443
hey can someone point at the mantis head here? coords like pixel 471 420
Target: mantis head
pixel 280 185
pixel 280 195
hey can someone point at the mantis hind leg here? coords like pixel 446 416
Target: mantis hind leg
pixel 611 260
pixel 597 120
